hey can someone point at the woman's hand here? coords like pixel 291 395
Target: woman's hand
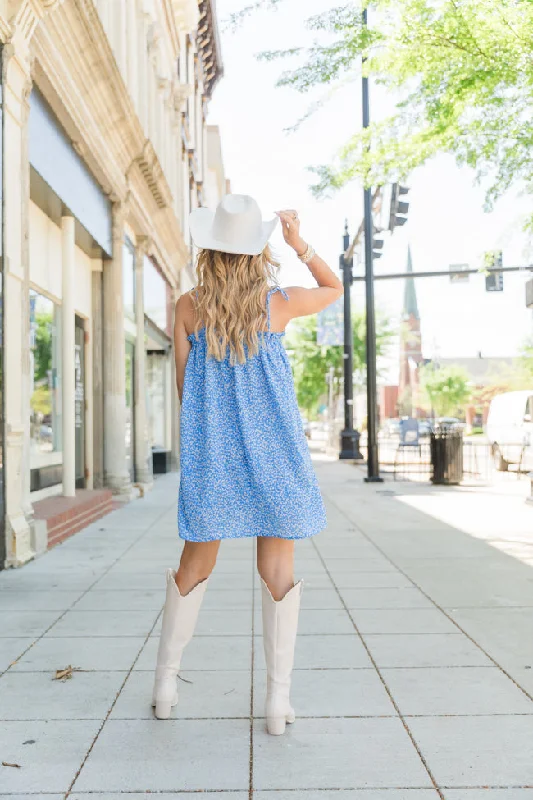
pixel 290 225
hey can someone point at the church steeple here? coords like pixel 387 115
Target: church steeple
pixel 410 347
pixel 410 305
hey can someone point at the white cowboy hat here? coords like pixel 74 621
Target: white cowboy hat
pixel 236 226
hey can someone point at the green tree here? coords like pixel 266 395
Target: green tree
pixel 41 401
pixel 43 344
pixel 461 73
pixel 447 389
pixel 526 359
pixel 311 362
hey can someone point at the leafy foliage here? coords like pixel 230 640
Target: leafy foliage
pixel 447 389
pixel 43 345
pixel 526 359
pixel 461 71
pixel 311 362
pixel 41 401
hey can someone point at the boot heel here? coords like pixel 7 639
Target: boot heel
pixel 276 725
pixel 163 709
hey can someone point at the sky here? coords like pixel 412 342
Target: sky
pixel 446 223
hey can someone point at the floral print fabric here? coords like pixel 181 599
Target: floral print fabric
pixel 245 464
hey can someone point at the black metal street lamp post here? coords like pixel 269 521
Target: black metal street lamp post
pixel 371 369
pixel 349 437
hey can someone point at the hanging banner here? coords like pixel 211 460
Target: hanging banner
pixel 330 324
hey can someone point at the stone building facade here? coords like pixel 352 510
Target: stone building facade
pixel 105 150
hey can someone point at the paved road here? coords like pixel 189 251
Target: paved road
pixel 414 668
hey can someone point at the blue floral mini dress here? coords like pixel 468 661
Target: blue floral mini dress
pixel 245 466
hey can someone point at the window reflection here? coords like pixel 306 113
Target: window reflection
pixel 156 390
pixel 45 402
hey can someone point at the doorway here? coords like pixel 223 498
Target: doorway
pixel 130 416
pixel 79 393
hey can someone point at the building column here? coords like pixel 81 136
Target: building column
pixel 68 382
pixel 18 24
pixel 17 380
pixel 143 455
pixel 133 52
pixel 117 477
pixel 119 35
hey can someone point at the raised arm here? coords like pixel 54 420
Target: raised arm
pixel 308 301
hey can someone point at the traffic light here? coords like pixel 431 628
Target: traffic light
pixel 377 246
pixel 529 294
pixel 398 208
pixel 494 280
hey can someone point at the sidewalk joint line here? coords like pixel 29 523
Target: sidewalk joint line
pixel 82 595
pixel 146 640
pixel 378 671
pixel 437 606
pixel 251 767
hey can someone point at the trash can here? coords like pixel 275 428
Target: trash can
pixel 447 457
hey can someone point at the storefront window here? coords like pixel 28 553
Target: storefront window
pixel 45 415
pixel 158 348
pixel 128 279
pixel 130 419
pixel 155 295
pixel 156 392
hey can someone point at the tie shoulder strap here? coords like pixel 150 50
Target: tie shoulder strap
pixel 269 295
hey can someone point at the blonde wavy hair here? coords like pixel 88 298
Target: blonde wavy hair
pixel 231 301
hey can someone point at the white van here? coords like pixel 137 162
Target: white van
pixel 510 429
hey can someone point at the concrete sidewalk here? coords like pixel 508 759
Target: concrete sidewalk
pixel 414 666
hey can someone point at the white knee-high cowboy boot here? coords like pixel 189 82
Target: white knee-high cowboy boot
pixel 280 625
pixel 179 621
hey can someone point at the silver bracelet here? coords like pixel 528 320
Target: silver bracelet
pixel 308 255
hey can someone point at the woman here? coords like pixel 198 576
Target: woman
pixel 245 464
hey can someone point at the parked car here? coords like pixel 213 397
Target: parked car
pixel 390 427
pixel 45 433
pixel 425 427
pixel 510 429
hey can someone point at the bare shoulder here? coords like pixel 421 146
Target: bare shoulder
pixel 185 314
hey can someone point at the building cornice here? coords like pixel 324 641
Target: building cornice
pixel 208 46
pixel 91 101
pixel 19 18
pixel 186 14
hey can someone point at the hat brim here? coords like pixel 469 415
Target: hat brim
pixel 201 228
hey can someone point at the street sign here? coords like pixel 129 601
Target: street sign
pixel 459 274
pixel 330 324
